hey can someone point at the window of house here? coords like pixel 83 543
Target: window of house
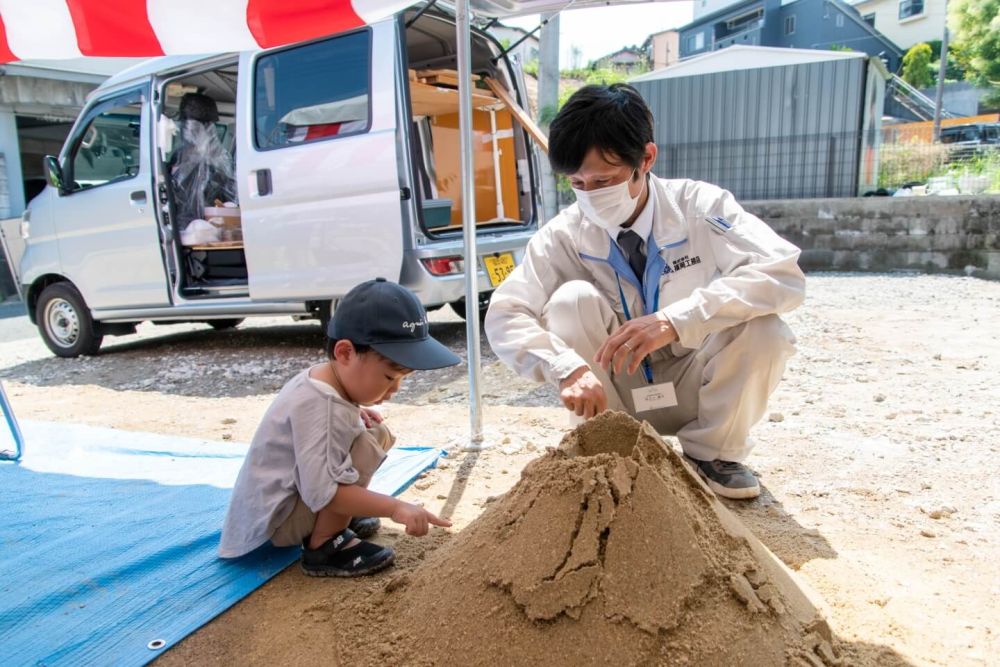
pixel 840 20
pixel 745 22
pixel 790 25
pixel 869 19
pixel 313 92
pixel 695 42
pixel 908 8
pixel 107 150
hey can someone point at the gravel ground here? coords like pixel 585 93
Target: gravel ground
pixel 877 455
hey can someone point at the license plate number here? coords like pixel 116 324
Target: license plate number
pixel 498 266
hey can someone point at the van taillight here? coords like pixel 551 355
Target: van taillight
pixel 444 266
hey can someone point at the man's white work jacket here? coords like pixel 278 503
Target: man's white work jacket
pixel 710 265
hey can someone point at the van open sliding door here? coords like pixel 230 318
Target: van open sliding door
pixel 317 166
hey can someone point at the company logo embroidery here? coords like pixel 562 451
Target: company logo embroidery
pixel 684 262
pixel 718 224
pixel 412 326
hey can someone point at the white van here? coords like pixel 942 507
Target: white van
pixel 338 161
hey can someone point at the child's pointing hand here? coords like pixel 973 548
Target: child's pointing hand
pixel 416 519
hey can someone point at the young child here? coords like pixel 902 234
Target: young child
pixel 305 476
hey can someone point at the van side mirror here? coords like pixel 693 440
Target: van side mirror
pixel 53 172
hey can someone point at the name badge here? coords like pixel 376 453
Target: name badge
pixel 654 397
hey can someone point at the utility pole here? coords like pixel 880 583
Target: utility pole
pixel 939 97
pixel 548 100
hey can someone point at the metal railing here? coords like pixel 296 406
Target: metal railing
pixel 913 100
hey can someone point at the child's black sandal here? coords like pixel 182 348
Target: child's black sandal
pixel 334 559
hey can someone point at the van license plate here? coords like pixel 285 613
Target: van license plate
pixel 498 266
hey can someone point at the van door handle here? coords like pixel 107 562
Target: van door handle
pixel 263 182
pixel 138 197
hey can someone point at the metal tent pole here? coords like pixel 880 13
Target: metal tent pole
pixel 463 32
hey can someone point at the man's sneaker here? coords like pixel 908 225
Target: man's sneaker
pixel 364 526
pixel 728 478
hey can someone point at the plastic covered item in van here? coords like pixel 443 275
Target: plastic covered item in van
pixel 202 169
pixel 200 232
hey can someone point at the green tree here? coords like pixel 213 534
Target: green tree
pixel 975 29
pixel 916 66
pixel 955 71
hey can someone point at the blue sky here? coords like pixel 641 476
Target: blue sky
pixel 597 32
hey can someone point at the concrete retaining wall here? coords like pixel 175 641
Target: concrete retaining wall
pixel 934 234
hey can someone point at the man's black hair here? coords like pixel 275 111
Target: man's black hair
pixel 613 119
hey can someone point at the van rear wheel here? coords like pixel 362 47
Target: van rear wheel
pixel 484 304
pixel 64 322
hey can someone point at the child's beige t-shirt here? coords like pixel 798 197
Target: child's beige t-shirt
pixel 302 447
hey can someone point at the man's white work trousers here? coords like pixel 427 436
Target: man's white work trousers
pixel 722 388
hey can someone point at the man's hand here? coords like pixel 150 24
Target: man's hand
pixel 416 519
pixel 583 394
pixel 637 338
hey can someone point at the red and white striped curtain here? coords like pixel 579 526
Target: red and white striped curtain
pixel 54 29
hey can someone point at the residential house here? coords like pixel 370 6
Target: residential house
pixel 706 7
pixel 905 22
pixel 802 24
pixel 662 48
pixel 629 59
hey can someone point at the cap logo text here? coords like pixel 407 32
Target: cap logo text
pixel 411 326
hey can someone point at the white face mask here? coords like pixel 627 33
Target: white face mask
pixel 608 207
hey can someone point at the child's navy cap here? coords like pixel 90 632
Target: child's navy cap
pixel 391 320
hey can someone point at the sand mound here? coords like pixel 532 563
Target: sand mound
pixel 607 549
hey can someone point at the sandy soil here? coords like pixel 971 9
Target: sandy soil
pixel 876 459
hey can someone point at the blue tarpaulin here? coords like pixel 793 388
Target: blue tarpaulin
pixel 108 542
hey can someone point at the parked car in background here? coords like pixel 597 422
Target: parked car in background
pixel 965 141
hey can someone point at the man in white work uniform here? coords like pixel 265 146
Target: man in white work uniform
pixel 656 297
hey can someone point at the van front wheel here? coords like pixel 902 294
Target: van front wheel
pixel 65 323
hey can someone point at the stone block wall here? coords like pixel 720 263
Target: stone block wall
pixel 932 234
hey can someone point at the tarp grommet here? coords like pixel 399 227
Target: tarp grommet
pixel 156 645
